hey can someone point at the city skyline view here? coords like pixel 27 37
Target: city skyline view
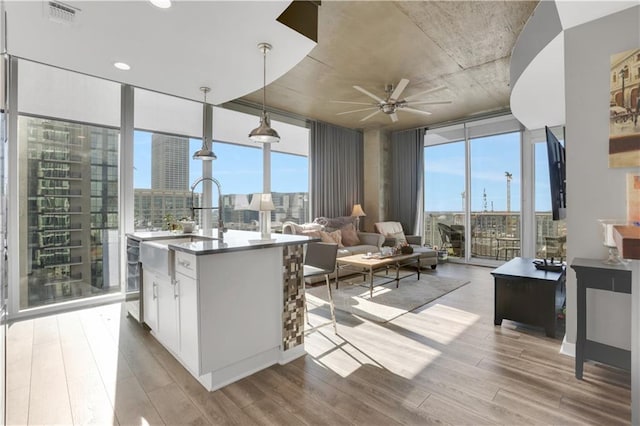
pixel 238 168
pixel 444 186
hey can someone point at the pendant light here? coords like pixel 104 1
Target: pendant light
pixel 264 133
pixel 205 152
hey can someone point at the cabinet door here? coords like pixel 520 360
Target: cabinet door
pixel 150 299
pixel 167 332
pixel 188 322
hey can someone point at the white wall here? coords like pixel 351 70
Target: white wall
pixel 594 191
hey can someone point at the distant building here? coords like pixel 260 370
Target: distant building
pixel 169 162
pixel 152 207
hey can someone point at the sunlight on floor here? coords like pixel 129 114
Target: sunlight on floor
pixel 427 330
pixel 457 322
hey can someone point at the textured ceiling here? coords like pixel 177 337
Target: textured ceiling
pixel 463 45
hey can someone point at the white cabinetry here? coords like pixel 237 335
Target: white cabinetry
pixel 188 326
pixel 150 299
pixel 219 314
pixel 167 331
pixel 160 307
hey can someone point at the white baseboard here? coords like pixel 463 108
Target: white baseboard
pixel 567 348
pixel 291 354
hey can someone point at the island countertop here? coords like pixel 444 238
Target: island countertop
pixel 233 241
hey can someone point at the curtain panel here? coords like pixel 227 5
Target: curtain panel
pixel 336 157
pixel 406 198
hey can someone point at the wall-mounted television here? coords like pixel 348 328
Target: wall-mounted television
pixel 557 175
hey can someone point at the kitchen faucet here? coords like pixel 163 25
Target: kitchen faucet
pixel 221 229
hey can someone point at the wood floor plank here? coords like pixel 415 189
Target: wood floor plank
pixel 49 397
pixel 18 406
pixel 133 406
pixel 352 409
pixel 216 406
pixel 299 404
pixel 174 406
pixel 443 363
pixel 534 410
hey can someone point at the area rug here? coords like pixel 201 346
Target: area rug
pixel 388 302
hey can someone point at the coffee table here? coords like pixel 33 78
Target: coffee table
pixel 368 265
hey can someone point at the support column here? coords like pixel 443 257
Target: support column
pixel 378 177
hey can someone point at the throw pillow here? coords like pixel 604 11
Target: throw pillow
pixel 312 234
pixel 398 236
pixel 349 235
pixel 332 237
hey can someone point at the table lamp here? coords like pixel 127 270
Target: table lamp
pixel 263 204
pixel 357 212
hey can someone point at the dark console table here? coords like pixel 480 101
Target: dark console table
pixel 592 273
pixel 526 294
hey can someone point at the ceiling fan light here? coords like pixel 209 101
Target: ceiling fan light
pixel 264 133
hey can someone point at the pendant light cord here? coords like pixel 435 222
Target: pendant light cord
pixel 264 79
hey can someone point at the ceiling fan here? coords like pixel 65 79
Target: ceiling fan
pixel 392 103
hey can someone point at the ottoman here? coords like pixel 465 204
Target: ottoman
pixel 428 256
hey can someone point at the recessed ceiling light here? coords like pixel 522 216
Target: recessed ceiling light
pixel 122 66
pixel 162 4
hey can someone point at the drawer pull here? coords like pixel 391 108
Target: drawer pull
pixel 185 263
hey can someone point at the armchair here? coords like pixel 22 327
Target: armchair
pixel 452 237
pixel 394 235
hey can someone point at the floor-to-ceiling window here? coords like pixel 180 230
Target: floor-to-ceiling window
pixel 472 189
pixel 290 188
pixel 239 170
pixel 71 210
pixel 495 196
pixel 445 197
pixel 68 144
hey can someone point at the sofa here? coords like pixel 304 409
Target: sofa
pixel 340 230
pixel 394 236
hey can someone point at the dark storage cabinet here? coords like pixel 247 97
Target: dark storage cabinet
pixel 527 295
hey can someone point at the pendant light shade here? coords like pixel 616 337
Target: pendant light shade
pixel 205 152
pixel 264 133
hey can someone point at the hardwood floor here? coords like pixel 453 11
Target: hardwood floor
pixel 443 363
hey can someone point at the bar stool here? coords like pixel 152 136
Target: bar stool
pixel 320 260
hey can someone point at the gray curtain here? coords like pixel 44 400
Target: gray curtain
pixel 406 201
pixel 336 170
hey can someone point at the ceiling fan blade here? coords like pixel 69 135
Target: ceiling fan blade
pixel 417 95
pixel 430 102
pixel 366 92
pixel 394 117
pixel 417 111
pixel 370 115
pixel 399 89
pixel 352 103
pixel 357 110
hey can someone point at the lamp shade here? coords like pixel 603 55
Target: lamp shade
pixel 205 154
pixel 261 202
pixel 264 133
pixel 357 211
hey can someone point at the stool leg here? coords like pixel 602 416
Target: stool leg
pixel 333 315
pixel 304 301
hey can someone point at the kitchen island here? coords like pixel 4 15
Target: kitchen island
pixel 224 309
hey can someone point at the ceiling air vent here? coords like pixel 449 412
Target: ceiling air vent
pixel 61 13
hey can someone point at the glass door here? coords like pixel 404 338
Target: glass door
pixel 445 199
pixel 495 196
